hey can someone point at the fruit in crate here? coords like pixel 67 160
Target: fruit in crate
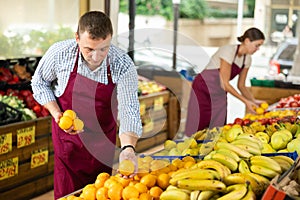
pixel 149 87
pixel 292 101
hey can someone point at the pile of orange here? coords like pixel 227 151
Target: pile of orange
pixel 70 119
pixel 144 186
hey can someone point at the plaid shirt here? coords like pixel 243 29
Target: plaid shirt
pixel 52 74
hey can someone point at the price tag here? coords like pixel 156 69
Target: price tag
pixel 5 143
pixel 148 127
pixel 25 136
pixel 39 157
pixel 142 108
pixel 9 168
pixel 158 103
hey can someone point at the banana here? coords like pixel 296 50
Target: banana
pixel 267 172
pixel 212 164
pixel 250 195
pixel 286 158
pixel 234 192
pixel 209 155
pixel 252 138
pixel 285 165
pixel 249 129
pixel 204 195
pixel 174 194
pixel 193 184
pixel 199 174
pixel 243 167
pixel 266 162
pixel 229 153
pixel 263 181
pixel 244 141
pixel 250 149
pixel 294 129
pixel 241 152
pixel 198 134
pixel 239 178
pixel 195 194
pixel 225 160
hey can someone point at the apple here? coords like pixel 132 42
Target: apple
pixel 238 121
pixel 294 145
pixel 293 104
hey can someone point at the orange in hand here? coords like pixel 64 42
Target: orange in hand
pixel 126 167
pixel 65 122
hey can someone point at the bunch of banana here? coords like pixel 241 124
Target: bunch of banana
pixel 238 150
pixel 174 193
pixel 203 195
pixel 265 166
pixel 249 129
pixel 243 167
pixel 249 143
pixel 271 128
pixel 194 173
pixel 215 165
pixel 236 191
pixel 285 162
pixel 199 135
pixel 245 178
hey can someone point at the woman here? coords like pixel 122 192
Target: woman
pixel 208 100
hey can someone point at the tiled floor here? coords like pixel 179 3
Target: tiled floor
pixel 50 195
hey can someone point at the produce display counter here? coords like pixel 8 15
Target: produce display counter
pixel 272 95
pixel 26 159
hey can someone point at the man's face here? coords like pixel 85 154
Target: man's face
pixel 93 50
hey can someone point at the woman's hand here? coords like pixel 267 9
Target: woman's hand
pixel 251 106
pixel 129 154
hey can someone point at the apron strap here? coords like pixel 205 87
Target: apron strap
pixel 236 53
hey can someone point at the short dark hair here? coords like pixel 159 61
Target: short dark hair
pixel 96 23
pixel 253 34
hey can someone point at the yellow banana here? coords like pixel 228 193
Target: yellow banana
pixel 263 181
pixel 286 158
pixel 243 167
pixel 252 138
pixel 234 192
pixel 209 155
pixel 212 164
pixel 267 172
pixel 266 162
pixel 195 194
pixel 249 130
pixel 239 178
pixel 195 174
pixel 244 141
pixel 229 153
pixel 285 165
pixel 193 184
pixel 241 152
pixel 174 194
pixel 206 195
pixel 294 129
pixel 198 134
pixel 250 195
pixel 225 160
pixel 250 149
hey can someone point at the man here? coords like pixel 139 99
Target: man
pixel 96 79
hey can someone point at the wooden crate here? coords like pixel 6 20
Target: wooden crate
pixel 31 179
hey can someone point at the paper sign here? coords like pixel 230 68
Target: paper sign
pixel 5 143
pixel 39 158
pixel 158 103
pixel 25 136
pixel 8 168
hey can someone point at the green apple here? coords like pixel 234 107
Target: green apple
pixel 294 145
pixel 267 148
pixel 278 141
pixel 262 136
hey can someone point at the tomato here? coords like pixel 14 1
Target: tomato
pixel 246 122
pixel 238 121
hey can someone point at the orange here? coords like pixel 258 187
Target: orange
pixel 163 180
pixel 149 180
pixel 141 187
pixel 259 111
pixel 70 113
pixel 155 191
pixel 188 158
pixel 123 181
pixel 89 192
pixel 126 167
pixel 103 175
pixel 101 194
pixel 115 191
pixel 264 105
pixel 109 182
pixel 78 124
pixel 130 192
pixel 145 196
pixel 71 197
pixel 65 122
pixel 188 164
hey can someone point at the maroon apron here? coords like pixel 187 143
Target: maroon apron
pixel 80 158
pixel 208 101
